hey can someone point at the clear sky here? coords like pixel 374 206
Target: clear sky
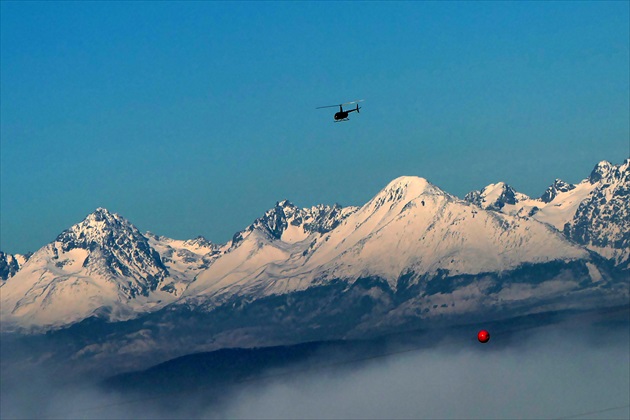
pixel 194 118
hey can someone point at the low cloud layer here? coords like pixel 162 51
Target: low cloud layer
pixel 552 372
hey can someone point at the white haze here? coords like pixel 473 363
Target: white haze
pixel 553 372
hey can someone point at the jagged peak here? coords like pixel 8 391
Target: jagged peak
pixel 320 218
pixel 604 164
pixel 600 171
pixel 606 172
pixel 497 187
pixel 102 211
pixel 116 247
pixel 494 196
pixel 101 214
pixel 552 191
pixel 473 196
pixel 285 203
pixel 200 241
pixel 502 186
pixel 96 227
pixel 558 183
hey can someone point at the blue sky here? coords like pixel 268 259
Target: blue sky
pixel 194 118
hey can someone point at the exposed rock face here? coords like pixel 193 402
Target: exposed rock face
pixel 117 248
pixel 11 264
pixel 493 197
pixel 552 191
pixel 276 221
pixel 602 221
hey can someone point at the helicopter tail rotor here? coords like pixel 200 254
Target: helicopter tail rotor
pixel 358 108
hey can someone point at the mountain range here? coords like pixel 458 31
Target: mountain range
pixel 412 254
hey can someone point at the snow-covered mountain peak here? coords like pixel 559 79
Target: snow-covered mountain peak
pixel 98 229
pixel 199 242
pixel 102 266
pixel 495 196
pixel 607 173
pixel 289 223
pixel 274 222
pixel 103 213
pixel 101 218
pixel 114 248
pixel 558 186
pixel 402 190
pixel 288 208
pixel 497 189
pixel 285 204
pixel 411 184
pixel 601 171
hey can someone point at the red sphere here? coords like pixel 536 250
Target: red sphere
pixel 483 336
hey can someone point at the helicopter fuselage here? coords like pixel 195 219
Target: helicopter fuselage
pixel 341 115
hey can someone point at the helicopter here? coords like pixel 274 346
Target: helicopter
pixel 343 115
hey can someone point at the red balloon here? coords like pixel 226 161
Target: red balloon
pixel 483 336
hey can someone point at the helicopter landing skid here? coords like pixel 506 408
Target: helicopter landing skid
pixel 345 119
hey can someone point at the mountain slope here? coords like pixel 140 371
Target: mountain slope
pixel 183 259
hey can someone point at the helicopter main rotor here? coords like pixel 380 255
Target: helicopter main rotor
pixel 340 105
